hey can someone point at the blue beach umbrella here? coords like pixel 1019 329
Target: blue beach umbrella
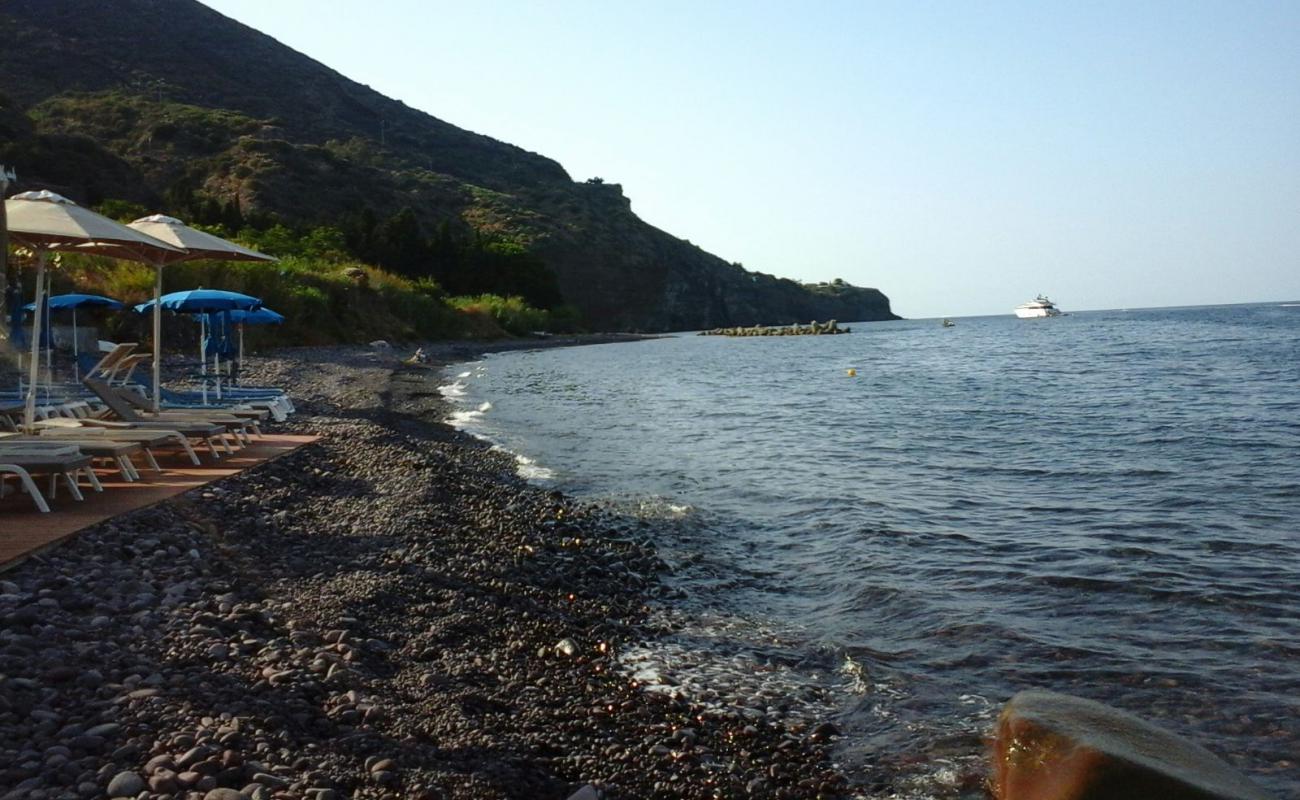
pixel 203 302
pixel 72 302
pixel 262 316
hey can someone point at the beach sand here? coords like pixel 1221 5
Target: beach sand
pixel 390 612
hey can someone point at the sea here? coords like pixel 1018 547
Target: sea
pixel 902 527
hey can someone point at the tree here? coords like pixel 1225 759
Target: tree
pixel 400 245
pixel 327 244
pixel 359 232
pixel 232 216
pixel 121 210
pixel 507 268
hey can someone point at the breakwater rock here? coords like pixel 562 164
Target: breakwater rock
pixel 1057 747
pixel 813 328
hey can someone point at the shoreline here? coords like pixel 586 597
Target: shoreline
pixel 390 612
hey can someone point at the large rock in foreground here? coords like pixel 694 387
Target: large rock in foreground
pixel 1056 747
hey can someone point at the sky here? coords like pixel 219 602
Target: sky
pixel 961 157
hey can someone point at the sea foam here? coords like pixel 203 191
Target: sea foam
pixel 530 470
pixel 462 419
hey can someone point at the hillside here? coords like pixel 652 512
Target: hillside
pixel 196 111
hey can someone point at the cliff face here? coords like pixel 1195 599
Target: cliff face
pixel 147 99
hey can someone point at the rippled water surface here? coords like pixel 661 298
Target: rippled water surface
pixel 1104 504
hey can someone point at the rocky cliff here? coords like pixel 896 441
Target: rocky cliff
pixel 151 100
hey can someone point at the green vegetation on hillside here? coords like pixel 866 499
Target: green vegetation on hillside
pixel 515 315
pixel 441 287
pixel 134 123
pixel 325 293
pixel 464 264
pixel 184 145
pixel 208 120
pixel 324 302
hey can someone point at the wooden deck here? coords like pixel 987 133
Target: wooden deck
pixel 25 531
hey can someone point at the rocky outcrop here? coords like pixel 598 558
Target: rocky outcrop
pixel 813 328
pixel 1057 747
pixel 197 105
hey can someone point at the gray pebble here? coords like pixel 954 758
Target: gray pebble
pixel 125 784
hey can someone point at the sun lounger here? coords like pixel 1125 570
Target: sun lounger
pixel 107 366
pixel 214 436
pixel 252 416
pixel 122 373
pixel 273 403
pixel 115 369
pixel 78 417
pixel 67 463
pixel 50 425
pixel 117 452
pixel 126 413
pixel 149 440
pixel 26 483
pixel 81 413
pixel 131 405
pixel 271 398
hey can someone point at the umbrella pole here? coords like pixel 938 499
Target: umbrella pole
pixel 241 348
pixel 29 412
pixel 76 353
pixel 157 336
pixel 203 357
pixel 216 357
pixel 49 346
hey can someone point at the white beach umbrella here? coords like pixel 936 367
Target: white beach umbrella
pixel 44 221
pixel 194 244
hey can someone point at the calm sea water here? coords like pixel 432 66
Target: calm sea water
pixel 1105 504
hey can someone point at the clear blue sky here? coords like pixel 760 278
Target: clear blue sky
pixel 962 157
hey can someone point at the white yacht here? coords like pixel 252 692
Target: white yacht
pixel 1038 307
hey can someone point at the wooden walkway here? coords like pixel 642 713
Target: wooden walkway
pixel 24 530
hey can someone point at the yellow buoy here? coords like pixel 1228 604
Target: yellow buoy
pixel 852 373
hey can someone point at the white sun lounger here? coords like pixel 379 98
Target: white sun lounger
pixel 25 481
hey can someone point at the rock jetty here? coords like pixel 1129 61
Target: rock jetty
pixel 813 328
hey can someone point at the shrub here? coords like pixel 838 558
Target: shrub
pixel 515 316
pixel 321 302
pixel 326 293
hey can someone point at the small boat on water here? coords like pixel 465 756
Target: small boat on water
pixel 1038 307
pixel 947 323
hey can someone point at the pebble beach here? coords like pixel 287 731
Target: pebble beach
pixel 389 612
